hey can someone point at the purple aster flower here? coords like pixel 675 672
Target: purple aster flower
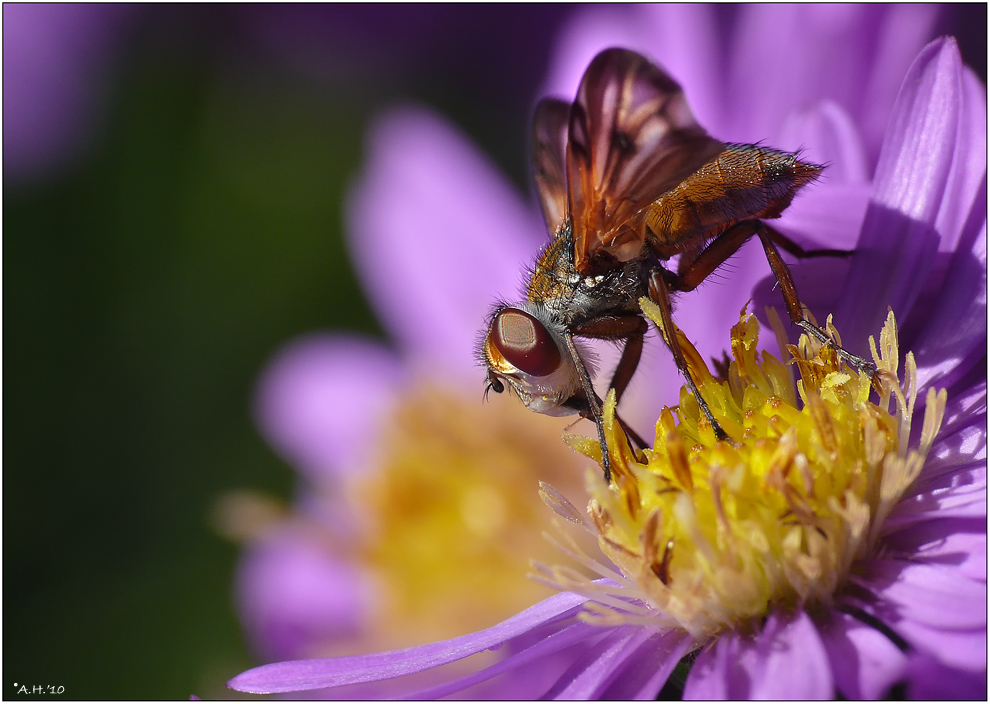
pixel 326 578
pixel 865 608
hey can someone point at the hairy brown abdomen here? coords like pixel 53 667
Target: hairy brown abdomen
pixel 744 182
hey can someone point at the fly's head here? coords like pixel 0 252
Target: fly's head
pixel 525 349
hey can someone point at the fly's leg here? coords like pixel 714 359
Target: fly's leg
pixel 632 351
pixel 796 250
pixel 632 329
pixel 593 411
pixel 729 242
pixel 661 296
pixel 795 310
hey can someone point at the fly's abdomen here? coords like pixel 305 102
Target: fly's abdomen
pixel 744 182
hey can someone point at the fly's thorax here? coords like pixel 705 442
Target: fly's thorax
pixel 616 291
pixel 573 299
pixel 553 271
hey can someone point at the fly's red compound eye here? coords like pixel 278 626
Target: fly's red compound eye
pixel 525 343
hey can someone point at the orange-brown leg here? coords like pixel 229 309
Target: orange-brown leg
pixel 796 250
pixel 661 296
pixel 713 256
pixel 795 310
pixel 593 411
pixel 729 242
pixel 631 329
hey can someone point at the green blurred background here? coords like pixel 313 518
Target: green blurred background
pixel 148 279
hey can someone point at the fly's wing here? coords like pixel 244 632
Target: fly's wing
pixel 632 138
pixel 549 165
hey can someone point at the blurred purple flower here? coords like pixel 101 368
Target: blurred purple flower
pixel 325 578
pixel 924 231
pixel 56 61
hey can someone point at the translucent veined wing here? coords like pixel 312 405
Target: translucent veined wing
pixel 549 160
pixel 631 138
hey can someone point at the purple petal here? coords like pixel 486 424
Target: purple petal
pixel 710 674
pixel 969 165
pixel 902 34
pixel 826 215
pixel 436 234
pixel 953 481
pixel 960 543
pixel 301 675
pixel 320 401
pixel 538 652
pixel 682 38
pixel 792 661
pixel 599 665
pixel 786 661
pixel 707 314
pixel 294 596
pixel 928 679
pixel 899 242
pixel 829 215
pixel 965 408
pixel 962 437
pixel 960 493
pixel 769 77
pixel 648 670
pixel 928 594
pixel 864 56
pixel 954 316
pixel 865 663
pixel 953 631
pixel 964 651
pixel 826 134
pixel 947 330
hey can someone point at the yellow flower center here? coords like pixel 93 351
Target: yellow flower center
pixel 453 512
pixel 710 535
